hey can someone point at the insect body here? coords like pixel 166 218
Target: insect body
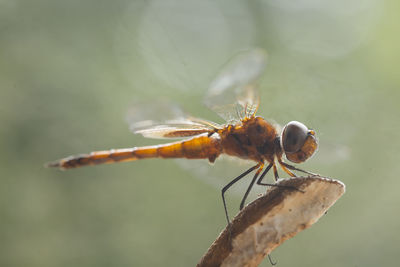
pixel 234 97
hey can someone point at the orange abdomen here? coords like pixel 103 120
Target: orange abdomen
pixel 199 147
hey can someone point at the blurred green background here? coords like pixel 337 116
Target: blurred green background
pixel 70 70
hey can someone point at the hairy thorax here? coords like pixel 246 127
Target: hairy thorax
pixel 254 139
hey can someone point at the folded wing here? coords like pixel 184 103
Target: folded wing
pixel 169 121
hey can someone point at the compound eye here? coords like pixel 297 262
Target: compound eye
pixel 294 136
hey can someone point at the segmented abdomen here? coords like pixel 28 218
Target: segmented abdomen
pixel 199 147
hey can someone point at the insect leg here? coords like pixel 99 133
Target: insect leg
pixel 275 173
pixel 251 185
pixel 286 169
pixel 259 181
pixel 293 168
pixel 226 187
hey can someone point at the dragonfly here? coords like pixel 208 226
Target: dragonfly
pixel 233 95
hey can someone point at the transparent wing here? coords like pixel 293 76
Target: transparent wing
pixel 168 121
pixel 233 93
